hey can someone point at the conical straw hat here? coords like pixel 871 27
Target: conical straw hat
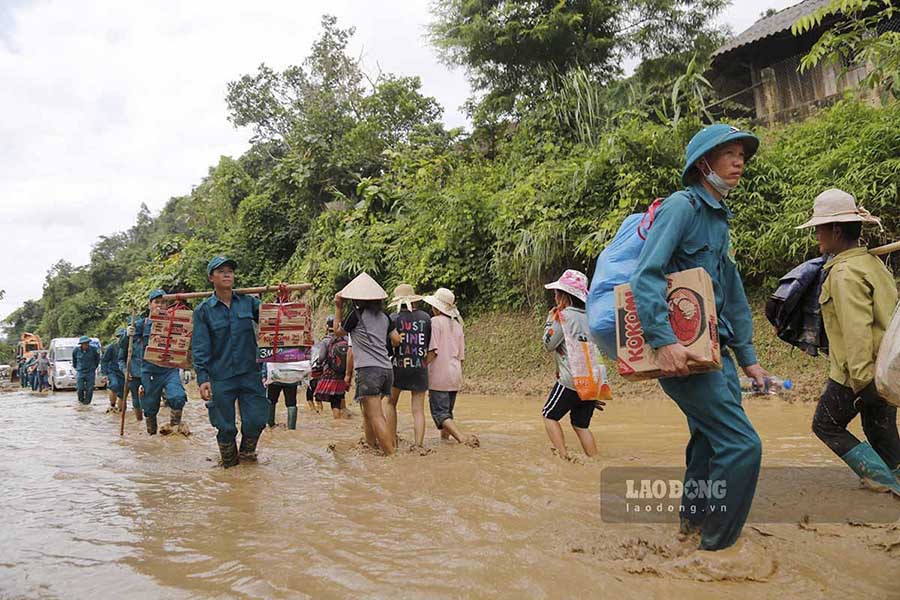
pixel 363 288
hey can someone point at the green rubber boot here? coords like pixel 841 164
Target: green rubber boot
pixel 292 417
pixel 271 415
pixel 870 467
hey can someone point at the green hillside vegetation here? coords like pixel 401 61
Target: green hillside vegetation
pixel 349 173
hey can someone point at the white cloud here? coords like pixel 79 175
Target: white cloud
pixel 108 104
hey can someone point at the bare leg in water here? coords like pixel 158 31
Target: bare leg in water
pixel 557 438
pixel 389 406
pixel 588 444
pixel 375 425
pixel 450 429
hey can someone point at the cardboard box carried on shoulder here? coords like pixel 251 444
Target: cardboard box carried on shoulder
pixel 170 338
pixel 285 332
pixel 692 315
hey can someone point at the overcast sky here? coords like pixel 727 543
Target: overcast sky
pixel 107 104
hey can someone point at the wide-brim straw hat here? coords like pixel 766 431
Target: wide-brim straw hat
pixel 363 288
pixel 405 294
pixel 837 206
pixel 445 301
pixel 572 282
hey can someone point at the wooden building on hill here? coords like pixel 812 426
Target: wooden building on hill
pixel 760 68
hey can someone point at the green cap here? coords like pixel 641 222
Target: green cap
pixel 84 340
pixel 157 293
pixel 218 261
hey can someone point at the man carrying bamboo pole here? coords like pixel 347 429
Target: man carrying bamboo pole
pixel 224 351
pixel 156 379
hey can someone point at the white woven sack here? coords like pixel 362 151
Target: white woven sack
pixel 887 367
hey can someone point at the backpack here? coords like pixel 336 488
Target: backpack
pixel 794 308
pixel 336 356
pixel 614 267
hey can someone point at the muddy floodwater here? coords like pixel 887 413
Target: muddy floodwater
pixel 87 514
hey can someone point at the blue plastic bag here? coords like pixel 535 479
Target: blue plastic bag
pixel 614 267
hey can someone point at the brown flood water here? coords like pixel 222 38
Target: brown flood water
pixel 91 515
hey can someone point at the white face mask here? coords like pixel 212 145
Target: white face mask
pixel 718 184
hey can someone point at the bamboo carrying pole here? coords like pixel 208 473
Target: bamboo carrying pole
pixel 253 290
pixel 881 250
pixel 127 376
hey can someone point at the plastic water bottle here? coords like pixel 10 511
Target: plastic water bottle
pixel 601 375
pixel 773 386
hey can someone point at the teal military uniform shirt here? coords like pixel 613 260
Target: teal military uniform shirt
pixel 224 339
pixel 691 230
pixel 85 361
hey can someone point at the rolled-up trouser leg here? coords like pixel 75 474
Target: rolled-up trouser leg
pixel 155 383
pixel 724 447
pixel 254 405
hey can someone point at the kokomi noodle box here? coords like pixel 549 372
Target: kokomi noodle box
pixel 285 332
pixel 692 315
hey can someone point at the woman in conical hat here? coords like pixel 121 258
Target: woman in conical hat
pixel 858 298
pixel 371 332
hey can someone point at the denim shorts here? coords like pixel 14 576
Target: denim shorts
pixel 373 381
pixel 441 405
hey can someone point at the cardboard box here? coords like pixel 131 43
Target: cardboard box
pixel 285 332
pixel 170 338
pixel 692 315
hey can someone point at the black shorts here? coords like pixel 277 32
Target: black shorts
pixel 411 380
pixel 563 400
pixel 373 381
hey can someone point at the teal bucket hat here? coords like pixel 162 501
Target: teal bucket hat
pixel 157 293
pixel 218 261
pixel 84 340
pixel 713 136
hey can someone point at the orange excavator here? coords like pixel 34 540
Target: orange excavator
pixel 28 345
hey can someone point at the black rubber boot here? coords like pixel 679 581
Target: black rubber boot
pixel 248 448
pixel 292 417
pixel 174 418
pixel 229 453
pixel 151 424
pixel 139 415
pixel 271 415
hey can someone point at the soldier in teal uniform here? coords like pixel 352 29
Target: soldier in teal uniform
pixel 85 360
pixel 109 366
pixel 156 379
pixel 691 230
pixel 225 351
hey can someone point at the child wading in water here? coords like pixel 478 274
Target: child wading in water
pixel 568 320
pixel 446 353
pixel 373 333
pixel 336 370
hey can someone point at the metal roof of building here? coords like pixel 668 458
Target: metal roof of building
pixel 775 24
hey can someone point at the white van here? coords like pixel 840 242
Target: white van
pixel 62 375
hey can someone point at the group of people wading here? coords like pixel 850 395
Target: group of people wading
pixel 423 352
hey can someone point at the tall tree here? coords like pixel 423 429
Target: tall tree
pixel 514 50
